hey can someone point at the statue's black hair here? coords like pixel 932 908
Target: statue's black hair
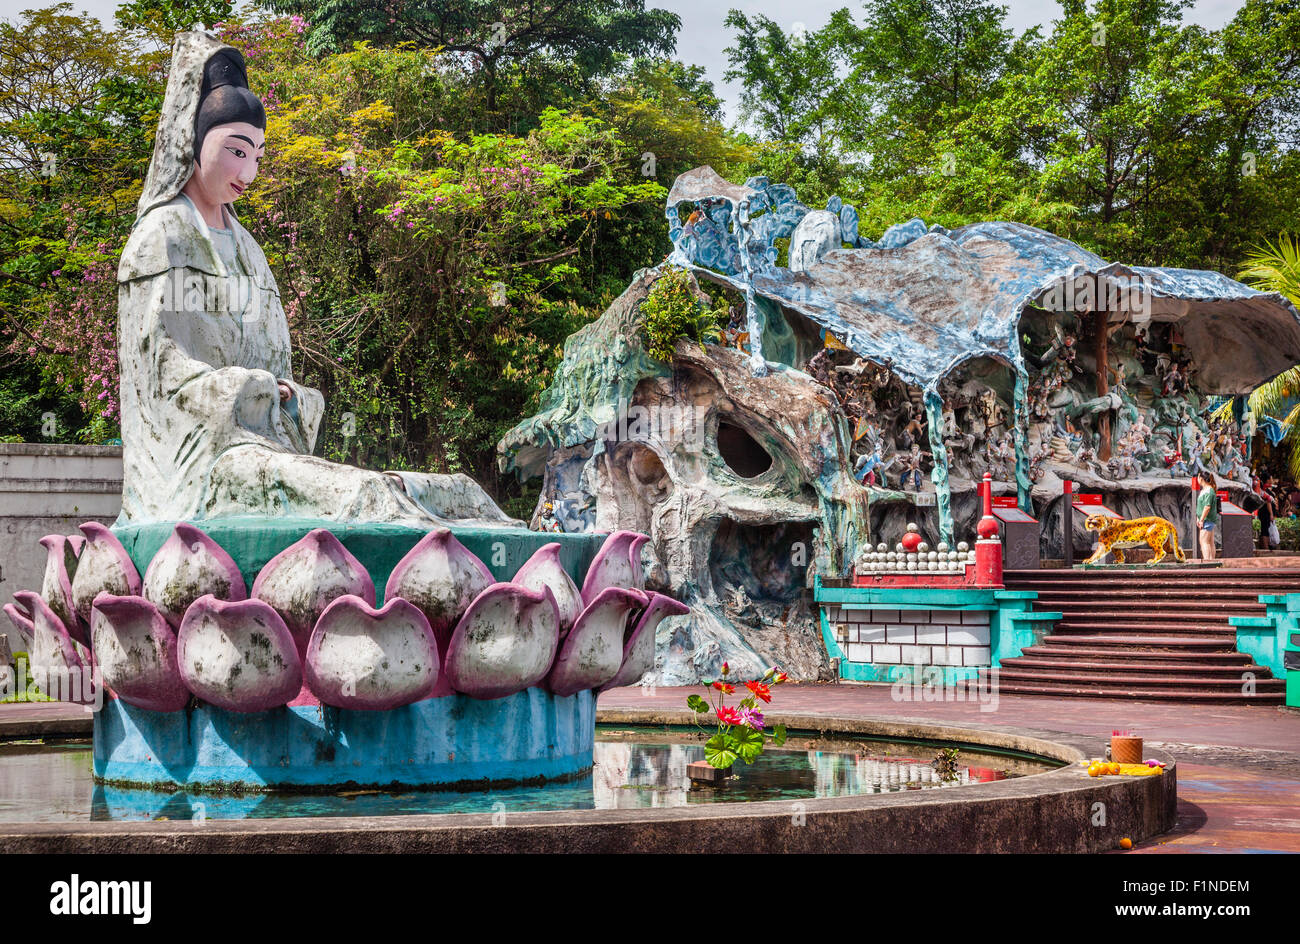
pixel 224 97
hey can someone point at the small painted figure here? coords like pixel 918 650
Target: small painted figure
pixel 548 520
pixel 864 470
pixel 1042 452
pixel 915 429
pixel 1001 451
pixel 1176 464
pixel 912 468
pixel 1175 382
pixel 1058 362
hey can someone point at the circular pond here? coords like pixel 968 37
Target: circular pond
pixel 634 767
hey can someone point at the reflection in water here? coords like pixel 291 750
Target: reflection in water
pixel 45 783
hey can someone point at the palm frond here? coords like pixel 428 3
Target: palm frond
pixel 1275 267
pixel 1273 396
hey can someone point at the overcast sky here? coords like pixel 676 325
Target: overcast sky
pixel 702 38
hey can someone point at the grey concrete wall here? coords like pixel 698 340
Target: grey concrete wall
pixel 50 488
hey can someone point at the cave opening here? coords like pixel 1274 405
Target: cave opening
pixel 743 453
pixel 769 561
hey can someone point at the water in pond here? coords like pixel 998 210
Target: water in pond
pixel 633 768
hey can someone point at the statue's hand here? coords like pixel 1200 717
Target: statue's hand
pixel 286 392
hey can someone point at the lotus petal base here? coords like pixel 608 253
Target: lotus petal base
pixel 436 743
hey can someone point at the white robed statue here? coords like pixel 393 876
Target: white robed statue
pixel 213 423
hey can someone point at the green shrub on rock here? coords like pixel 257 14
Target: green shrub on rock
pixel 672 310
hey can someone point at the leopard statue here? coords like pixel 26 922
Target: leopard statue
pixel 1115 534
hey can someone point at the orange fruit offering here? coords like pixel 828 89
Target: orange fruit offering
pixel 1126 843
pixel 1094 770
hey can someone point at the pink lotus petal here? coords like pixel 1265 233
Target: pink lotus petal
pixel 56 584
pixel 363 658
pixel 51 648
pixel 617 564
pixel 544 569
pixel 21 617
pixel 238 656
pixel 103 567
pixel 306 577
pixel 505 642
pixel 135 650
pixel 593 651
pixel 441 576
pixel 639 645
pixel 190 565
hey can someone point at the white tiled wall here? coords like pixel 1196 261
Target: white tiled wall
pixel 911 637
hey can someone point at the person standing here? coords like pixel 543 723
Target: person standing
pixel 1267 514
pixel 1207 515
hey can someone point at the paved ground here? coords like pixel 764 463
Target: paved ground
pixel 1238 775
pixel 1238 772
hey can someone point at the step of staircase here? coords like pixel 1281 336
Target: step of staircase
pixel 1140 633
pixel 1133 589
pixel 1181 610
pixel 1135 627
pixel 1157 577
pixel 1154 573
pixel 1144 680
pixel 1161 595
pixel 1141 694
pixel 1141 654
pixel 1142 642
pixel 1145 666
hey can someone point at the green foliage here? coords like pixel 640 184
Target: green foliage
pixel 26 690
pixel 739 732
pixel 721 750
pixel 77 105
pixel 1288 529
pixel 164 18
pixel 1143 138
pixel 1275 267
pixel 672 311
pixel 506 41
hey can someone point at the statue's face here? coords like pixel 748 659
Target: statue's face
pixel 228 162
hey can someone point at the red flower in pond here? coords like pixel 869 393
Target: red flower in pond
pixel 724 687
pixel 760 690
pixel 728 715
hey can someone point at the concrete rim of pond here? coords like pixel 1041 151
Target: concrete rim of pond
pixel 1061 810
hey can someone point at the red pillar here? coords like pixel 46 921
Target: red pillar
pixel 1067 523
pixel 988 549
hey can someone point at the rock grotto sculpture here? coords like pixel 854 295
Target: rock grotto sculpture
pixel 897 371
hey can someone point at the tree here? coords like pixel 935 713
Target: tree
pixel 1252 186
pixel 913 58
pixel 789 81
pixel 1276 268
pixel 51 65
pixel 494 34
pixel 76 128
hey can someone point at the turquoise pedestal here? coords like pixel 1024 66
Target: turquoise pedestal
pixel 441 742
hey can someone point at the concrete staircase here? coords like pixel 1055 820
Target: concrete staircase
pixel 1147 634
